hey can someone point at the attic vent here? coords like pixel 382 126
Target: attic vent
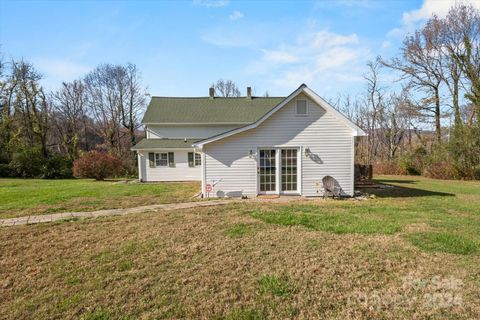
pixel 301 107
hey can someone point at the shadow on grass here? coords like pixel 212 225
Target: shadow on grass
pixel 396 181
pixel 394 191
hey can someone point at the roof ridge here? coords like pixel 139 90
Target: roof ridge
pixel 207 97
pixel 173 138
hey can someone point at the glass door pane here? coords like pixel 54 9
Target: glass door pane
pixel 267 170
pixel 289 169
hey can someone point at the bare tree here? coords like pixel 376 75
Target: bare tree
pixel 69 105
pixel 226 88
pixel 461 36
pixel 115 98
pixel 421 66
pixel 132 98
pixel 103 101
pixel 435 36
pixel 394 123
pixel 374 104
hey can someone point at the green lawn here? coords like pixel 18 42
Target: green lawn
pixel 412 252
pixel 435 215
pixel 20 197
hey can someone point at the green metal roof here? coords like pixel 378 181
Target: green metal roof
pixel 163 144
pixel 208 110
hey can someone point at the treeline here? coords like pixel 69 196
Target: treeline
pixel 42 133
pixel 421 109
pixel 426 119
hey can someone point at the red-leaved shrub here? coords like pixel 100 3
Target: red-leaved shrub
pixel 97 165
pixel 388 167
pixel 441 170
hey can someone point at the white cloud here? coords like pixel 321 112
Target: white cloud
pixel 411 19
pixel 221 37
pixel 348 3
pixel 211 3
pixel 236 15
pixel 59 70
pixel 326 39
pixel 386 44
pixel 321 57
pixel 280 56
pixel 429 7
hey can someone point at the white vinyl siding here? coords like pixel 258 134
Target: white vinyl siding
pixel 329 140
pixel 180 172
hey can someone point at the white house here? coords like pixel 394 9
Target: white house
pixel 246 146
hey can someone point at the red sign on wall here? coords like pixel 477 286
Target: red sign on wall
pixel 208 187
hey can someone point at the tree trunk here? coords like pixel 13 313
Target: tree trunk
pixel 438 125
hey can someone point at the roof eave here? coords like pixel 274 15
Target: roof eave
pixel 194 123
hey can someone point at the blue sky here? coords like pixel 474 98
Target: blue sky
pixel 181 47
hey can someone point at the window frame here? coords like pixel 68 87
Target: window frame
pixel 194 159
pixel 197 159
pixel 159 160
pixel 191 159
pixel 306 108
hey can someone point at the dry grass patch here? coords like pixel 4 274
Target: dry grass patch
pixel 184 264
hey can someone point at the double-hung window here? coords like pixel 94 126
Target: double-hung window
pixel 198 159
pixel 194 159
pixel 161 159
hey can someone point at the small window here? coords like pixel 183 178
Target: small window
pixel 161 159
pixel 198 159
pixel 301 107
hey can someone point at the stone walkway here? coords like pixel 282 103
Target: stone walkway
pixel 111 212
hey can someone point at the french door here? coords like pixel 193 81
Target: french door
pixel 278 170
pixel 289 170
pixel 267 171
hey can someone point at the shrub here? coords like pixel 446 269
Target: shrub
pixel 464 151
pixel 413 163
pixel 28 163
pixel 388 167
pixel 408 166
pixel 440 170
pixel 96 165
pixel 57 167
pixel 6 171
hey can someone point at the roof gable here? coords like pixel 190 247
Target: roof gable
pixel 356 131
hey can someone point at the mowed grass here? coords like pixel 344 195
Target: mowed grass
pixel 412 252
pixel 441 216
pixel 20 197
